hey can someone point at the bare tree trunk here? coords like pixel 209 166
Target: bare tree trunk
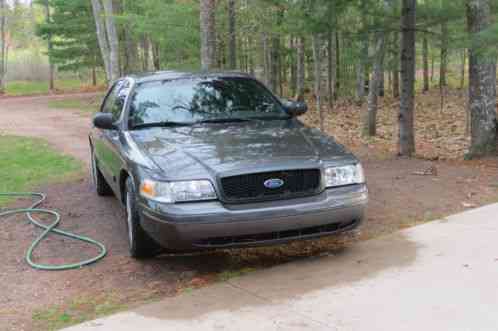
pixel 382 82
pixel 98 14
pixel 406 111
pixel 317 69
pixel 266 58
pixel 131 62
pixel 241 54
pixel 51 69
pixel 395 81
pixel 284 68
pixel 433 60
pixel 467 115
pixel 331 68
pixel 396 67
pixel 156 55
pixel 293 65
pixel 3 44
pixel 232 36
pixel 444 56
pixel 394 5
pixel 370 120
pixel 107 37
pixel 112 37
pixel 146 53
pixel 301 45
pixel 362 65
pixel 462 72
pixel 94 76
pixel 389 78
pixel 337 65
pixel 309 66
pixel 443 68
pixel 274 63
pixel 221 59
pixel 245 48
pixel 425 60
pixel 208 34
pixel 250 55
pixel 482 81
pixel 280 69
pixel 361 73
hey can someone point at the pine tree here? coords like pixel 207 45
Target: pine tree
pixel 71 30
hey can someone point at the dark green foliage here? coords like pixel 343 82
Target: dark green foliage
pixel 172 26
pixel 72 28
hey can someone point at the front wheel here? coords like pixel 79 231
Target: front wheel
pixel 141 245
pixel 101 186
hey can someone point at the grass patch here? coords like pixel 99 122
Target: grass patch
pixel 20 88
pixel 85 105
pixel 26 163
pixel 76 311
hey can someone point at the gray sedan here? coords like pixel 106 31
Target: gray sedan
pixel 205 161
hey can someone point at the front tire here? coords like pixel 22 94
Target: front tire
pixel 101 186
pixel 140 244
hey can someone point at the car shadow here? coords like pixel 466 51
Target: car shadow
pixel 291 280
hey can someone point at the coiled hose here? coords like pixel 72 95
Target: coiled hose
pixel 52 228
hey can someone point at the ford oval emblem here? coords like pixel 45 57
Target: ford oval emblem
pixel 274 183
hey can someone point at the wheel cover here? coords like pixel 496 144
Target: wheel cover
pixel 93 170
pixel 129 219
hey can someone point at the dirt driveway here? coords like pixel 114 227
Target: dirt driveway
pixel 399 199
pixel 31 116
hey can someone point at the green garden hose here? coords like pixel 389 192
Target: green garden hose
pixel 52 228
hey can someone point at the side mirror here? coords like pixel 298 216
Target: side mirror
pixel 104 121
pixel 295 108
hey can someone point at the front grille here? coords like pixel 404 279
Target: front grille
pixel 251 187
pixel 276 237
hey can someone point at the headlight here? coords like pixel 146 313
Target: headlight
pixel 346 175
pixel 171 192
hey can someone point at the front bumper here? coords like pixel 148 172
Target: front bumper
pixel 204 225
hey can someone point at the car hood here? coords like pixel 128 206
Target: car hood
pixel 203 151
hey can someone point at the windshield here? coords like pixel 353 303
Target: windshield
pixel 190 101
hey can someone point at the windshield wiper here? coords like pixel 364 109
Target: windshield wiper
pixel 224 120
pixel 161 125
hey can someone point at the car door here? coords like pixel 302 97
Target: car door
pixel 108 147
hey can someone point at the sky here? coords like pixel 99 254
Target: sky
pixel 21 1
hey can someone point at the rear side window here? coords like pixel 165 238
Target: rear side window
pixel 114 103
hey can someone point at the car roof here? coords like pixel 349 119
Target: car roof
pixel 169 75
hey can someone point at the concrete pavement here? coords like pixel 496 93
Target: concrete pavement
pixel 438 276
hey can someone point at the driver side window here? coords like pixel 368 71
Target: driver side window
pixel 114 103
